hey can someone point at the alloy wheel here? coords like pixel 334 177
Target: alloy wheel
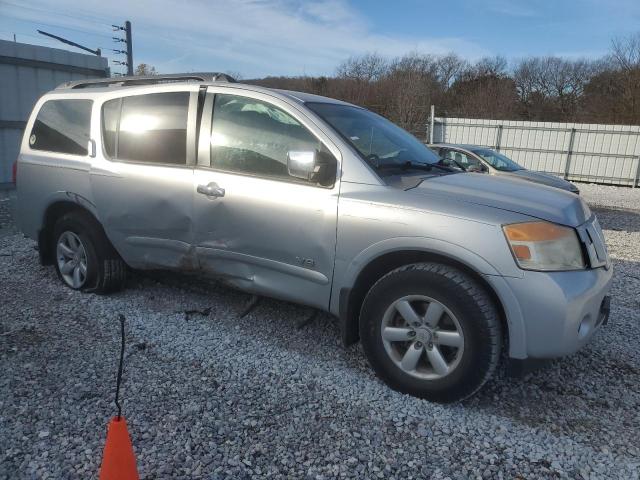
pixel 72 259
pixel 422 337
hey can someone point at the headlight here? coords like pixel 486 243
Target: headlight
pixel 544 246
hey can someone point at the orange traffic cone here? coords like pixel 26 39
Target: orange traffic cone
pixel 118 459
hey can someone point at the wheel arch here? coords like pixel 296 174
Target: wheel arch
pixel 53 212
pixel 351 297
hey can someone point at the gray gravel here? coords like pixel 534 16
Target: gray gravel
pixel 609 196
pixel 210 395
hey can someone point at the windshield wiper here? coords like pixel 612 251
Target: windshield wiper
pixel 415 166
pixel 457 163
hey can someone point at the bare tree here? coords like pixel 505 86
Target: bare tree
pixel 449 68
pixel 550 87
pixel 626 52
pixel 411 84
pixel 234 74
pixel 490 66
pixel 145 69
pixel 368 67
pixel 616 89
pixel 547 88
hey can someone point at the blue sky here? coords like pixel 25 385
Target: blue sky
pixel 293 37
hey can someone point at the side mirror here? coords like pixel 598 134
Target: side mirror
pixel 301 164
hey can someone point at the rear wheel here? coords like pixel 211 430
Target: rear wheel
pixel 84 258
pixel 431 331
pixel 71 259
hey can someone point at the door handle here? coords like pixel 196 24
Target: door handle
pixel 211 190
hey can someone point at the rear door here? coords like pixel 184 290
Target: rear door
pixel 142 180
pixel 260 228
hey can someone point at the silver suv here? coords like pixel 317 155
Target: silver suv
pixel 316 201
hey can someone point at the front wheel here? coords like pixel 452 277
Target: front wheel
pixel 431 331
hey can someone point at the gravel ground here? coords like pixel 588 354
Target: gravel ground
pixel 211 395
pixel 608 196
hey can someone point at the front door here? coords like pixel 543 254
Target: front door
pixel 255 225
pixel 142 180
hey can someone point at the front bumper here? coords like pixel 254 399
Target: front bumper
pixel 561 310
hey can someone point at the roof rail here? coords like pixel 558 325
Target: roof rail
pixel 126 81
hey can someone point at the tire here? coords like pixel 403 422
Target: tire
pixel 101 270
pixel 448 349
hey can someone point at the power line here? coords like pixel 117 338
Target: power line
pixel 84 18
pixel 87 18
pixel 72 29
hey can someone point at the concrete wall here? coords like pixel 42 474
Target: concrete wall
pixel 26 72
pixel 577 151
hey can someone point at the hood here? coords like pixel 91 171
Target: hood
pixel 544 179
pixel 511 194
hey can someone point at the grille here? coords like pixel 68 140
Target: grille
pixel 593 239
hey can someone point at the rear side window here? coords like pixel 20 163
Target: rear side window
pixel 62 126
pixel 147 128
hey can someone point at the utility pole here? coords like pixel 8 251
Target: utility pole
pixel 129 51
pixel 127 26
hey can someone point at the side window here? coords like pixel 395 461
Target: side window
pixel 62 126
pixel 147 128
pixel 447 157
pixel 254 137
pixel 495 160
pixel 454 158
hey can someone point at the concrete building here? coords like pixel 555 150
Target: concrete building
pixel 26 72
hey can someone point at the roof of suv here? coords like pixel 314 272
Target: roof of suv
pixel 303 97
pixel 103 85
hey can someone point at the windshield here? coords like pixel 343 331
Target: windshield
pixel 497 160
pixel 380 142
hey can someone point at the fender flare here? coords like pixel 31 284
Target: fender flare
pixel 68 197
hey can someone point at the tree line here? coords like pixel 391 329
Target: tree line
pixel 549 88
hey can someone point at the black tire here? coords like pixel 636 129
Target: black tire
pixel 476 315
pixel 106 272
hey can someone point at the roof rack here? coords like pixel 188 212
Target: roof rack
pixel 127 81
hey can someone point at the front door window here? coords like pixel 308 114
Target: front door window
pixel 252 137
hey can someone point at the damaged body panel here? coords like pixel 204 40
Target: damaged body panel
pixel 264 235
pixel 150 218
pixel 249 238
